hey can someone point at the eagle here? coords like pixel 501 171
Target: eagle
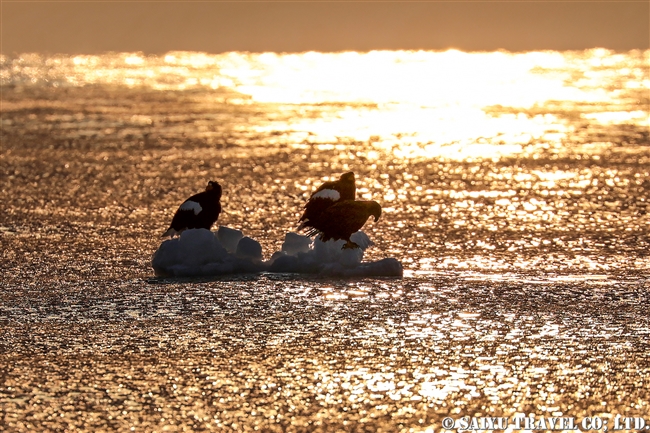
pixel 327 195
pixel 344 218
pixel 197 212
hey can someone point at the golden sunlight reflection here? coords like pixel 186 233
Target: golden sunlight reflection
pixel 406 104
pixel 419 78
pixel 409 132
pixel 613 118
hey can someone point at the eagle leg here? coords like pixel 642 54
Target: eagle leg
pixel 350 244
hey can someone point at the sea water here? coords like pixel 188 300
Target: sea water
pixel 514 189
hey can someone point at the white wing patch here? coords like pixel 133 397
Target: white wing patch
pixel 331 194
pixel 191 205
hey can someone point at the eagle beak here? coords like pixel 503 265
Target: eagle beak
pixel 375 210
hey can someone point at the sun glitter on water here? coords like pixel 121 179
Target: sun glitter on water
pixel 407 104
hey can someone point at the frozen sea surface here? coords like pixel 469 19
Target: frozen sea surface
pixel 515 192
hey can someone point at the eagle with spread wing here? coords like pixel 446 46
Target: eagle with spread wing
pixel 334 213
pixel 327 195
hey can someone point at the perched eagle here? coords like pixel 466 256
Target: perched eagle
pixel 327 195
pixel 344 218
pixel 197 212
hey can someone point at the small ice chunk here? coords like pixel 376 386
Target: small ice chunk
pixel 328 258
pixel 249 248
pixel 333 252
pixel 229 238
pixel 303 263
pixel 295 243
pixel 388 267
pixel 309 263
pixel 361 239
pixel 351 257
pixel 188 254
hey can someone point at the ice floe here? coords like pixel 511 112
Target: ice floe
pixel 200 252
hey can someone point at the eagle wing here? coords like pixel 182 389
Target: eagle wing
pixel 325 196
pixel 342 219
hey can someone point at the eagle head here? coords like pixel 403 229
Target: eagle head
pixel 215 187
pixel 347 177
